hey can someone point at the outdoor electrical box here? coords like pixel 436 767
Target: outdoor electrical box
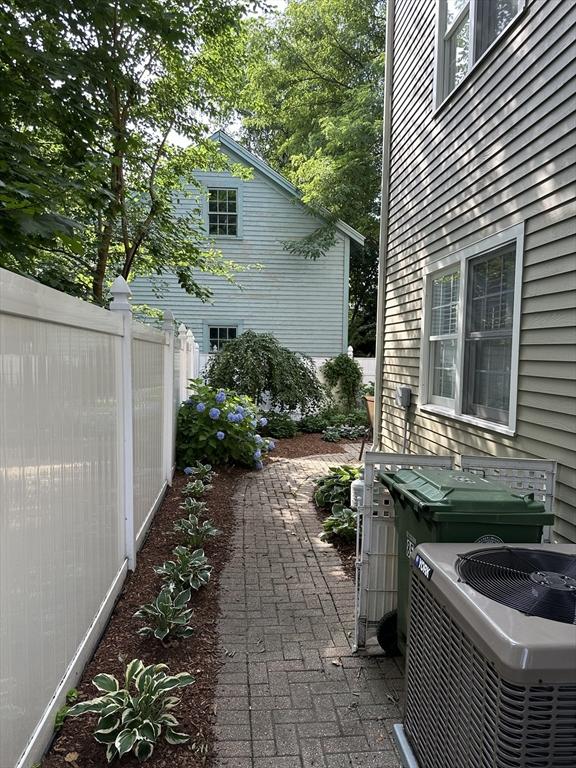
pixel 403 396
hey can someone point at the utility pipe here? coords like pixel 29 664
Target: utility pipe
pixel 385 205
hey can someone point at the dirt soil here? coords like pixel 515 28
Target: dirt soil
pixel 198 655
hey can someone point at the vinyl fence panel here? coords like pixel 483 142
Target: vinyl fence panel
pixel 85 442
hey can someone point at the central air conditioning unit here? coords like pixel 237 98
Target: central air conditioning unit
pixel 491 665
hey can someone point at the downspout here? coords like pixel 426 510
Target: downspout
pixel 385 204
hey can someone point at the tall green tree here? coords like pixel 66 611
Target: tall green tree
pixel 312 107
pixel 94 93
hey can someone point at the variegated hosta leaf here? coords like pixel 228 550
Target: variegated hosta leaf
pixel 94 705
pixel 107 683
pixel 109 723
pixel 125 741
pixel 111 753
pixel 143 750
pixel 132 670
pixel 174 737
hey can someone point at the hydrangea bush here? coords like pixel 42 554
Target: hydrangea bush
pixel 221 427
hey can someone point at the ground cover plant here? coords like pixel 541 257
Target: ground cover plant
pixel 340 524
pixel 168 615
pixel 345 432
pixel 280 425
pixel 257 365
pixel 334 488
pixel 195 533
pixel 333 416
pixel 188 568
pixel 134 717
pixel 219 426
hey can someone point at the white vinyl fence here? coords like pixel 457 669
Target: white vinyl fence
pixel 88 404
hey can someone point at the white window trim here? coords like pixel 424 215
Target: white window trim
pixel 462 257
pixel 225 183
pixel 207 324
pixel 440 97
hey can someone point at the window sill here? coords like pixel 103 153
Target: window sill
pixel 441 106
pixel 472 420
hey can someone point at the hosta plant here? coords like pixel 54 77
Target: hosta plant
pixel 341 524
pixel 334 488
pixel 200 472
pixel 195 488
pixel 168 615
pixel 344 432
pixel 194 507
pixel 196 534
pixel 188 569
pixel 134 717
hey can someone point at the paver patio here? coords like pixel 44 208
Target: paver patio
pixel 290 693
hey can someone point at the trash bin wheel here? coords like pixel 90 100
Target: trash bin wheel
pixel 387 633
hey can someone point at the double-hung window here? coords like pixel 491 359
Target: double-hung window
pixel 223 212
pixel 466 29
pixel 469 357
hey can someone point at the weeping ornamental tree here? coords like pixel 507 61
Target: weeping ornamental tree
pixel 91 97
pixel 255 364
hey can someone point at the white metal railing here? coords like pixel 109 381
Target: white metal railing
pixel 88 404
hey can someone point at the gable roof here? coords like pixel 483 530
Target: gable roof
pixel 256 162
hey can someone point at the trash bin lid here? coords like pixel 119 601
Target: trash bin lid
pixel 447 494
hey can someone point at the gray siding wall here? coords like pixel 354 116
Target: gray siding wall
pixel 303 303
pixel 498 153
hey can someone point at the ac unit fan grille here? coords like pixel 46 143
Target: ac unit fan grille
pixel 533 581
pixel 461 714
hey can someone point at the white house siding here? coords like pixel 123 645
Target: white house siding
pixel 303 303
pixel 498 153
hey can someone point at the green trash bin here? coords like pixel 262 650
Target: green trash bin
pixel 444 505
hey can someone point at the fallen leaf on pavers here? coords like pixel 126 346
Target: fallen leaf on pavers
pixel 71 758
pixel 337 663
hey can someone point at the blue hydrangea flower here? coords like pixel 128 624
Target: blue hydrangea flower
pixel 220 435
pixel 258 440
pixel 188 471
pixel 189 401
pixel 240 410
pixel 231 417
pixel 271 445
pixel 263 421
pixel 259 465
pixel 214 413
pixel 201 407
pixel 257 454
pixel 220 397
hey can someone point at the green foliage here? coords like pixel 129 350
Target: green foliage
pixel 62 713
pixel 345 432
pixel 334 488
pixel 332 416
pixel 90 95
pixel 280 425
pixel 312 108
pixel 200 472
pixel 188 569
pixel 340 524
pixel 255 364
pixel 194 507
pixel 368 389
pixel 132 719
pixel 196 534
pixel 219 426
pixel 168 615
pixel 344 377
pixel 194 489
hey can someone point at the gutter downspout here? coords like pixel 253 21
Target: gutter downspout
pixel 385 204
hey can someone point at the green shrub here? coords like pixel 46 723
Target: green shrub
pixel 280 425
pixel 168 615
pixel 255 364
pixel 195 533
pixel 189 568
pixel 132 718
pixel 219 426
pixel 340 524
pixel 344 377
pixel 345 432
pixel 334 488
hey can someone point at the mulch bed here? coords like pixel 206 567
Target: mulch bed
pixel 198 655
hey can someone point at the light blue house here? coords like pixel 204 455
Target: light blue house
pixel 304 303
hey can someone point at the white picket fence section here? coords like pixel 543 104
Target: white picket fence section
pixel 88 405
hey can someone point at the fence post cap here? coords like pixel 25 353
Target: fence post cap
pixel 121 294
pixel 350 351
pixel 182 331
pixel 168 320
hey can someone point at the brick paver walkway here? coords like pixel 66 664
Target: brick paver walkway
pixel 291 694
